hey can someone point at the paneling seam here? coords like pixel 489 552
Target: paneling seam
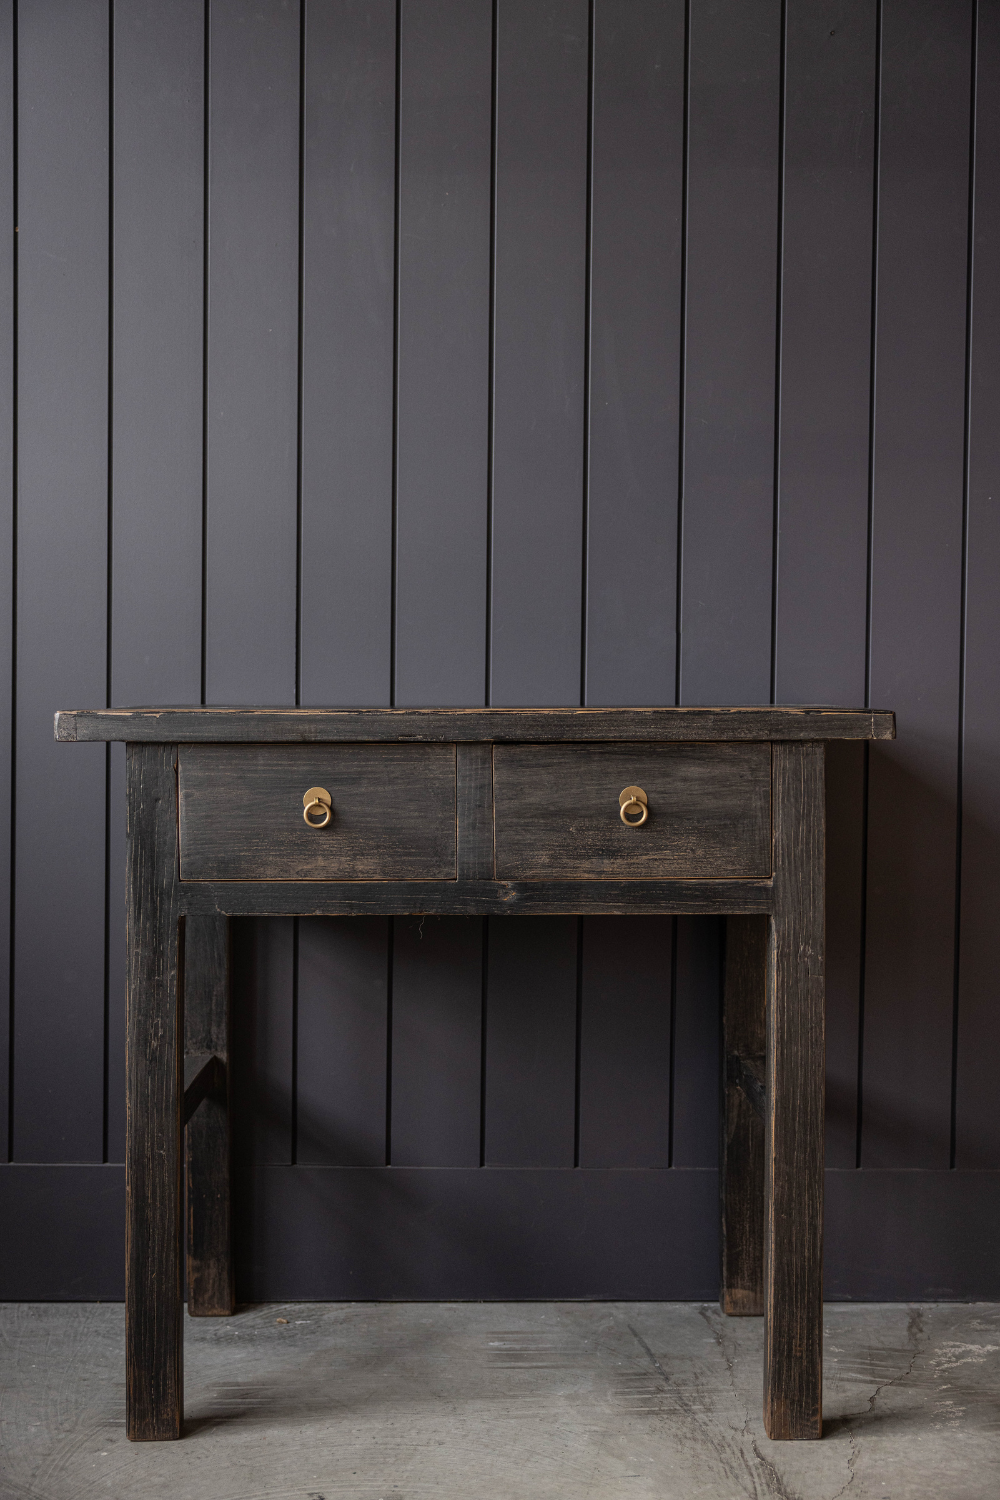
pixel 587 314
pixel 394 561
pixel 872 370
pixel 109 585
pixel 963 609
pixel 205 188
pixel 301 354
pixel 682 383
pixel 778 311
pixel 13 603
pixel 491 359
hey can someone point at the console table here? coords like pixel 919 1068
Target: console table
pixel 493 811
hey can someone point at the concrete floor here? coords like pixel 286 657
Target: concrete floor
pixel 521 1401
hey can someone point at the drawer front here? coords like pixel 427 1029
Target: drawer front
pixel 558 813
pixel 392 812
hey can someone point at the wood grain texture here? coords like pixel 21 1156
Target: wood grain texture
pixel 557 811
pixel 393 813
pixel 474 772
pixel 211 1289
pixel 793 1234
pixel 153 1154
pixel 741 1177
pixel 476 897
pixel 320 725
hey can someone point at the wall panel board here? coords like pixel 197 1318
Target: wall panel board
pixel 8 255
pixel 446 82
pixel 252 352
pixel 977 1142
pixel 348 291
pixel 729 377
pixel 916 581
pixel 62 590
pixel 635 328
pixel 538 342
pixel 625 1042
pixel 437 1009
pixel 531 1042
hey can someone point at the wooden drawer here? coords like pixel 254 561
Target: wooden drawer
pixel 557 811
pixel 393 812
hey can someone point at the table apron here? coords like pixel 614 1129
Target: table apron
pixel 475 898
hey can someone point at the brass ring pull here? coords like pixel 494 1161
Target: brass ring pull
pixel 633 800
pixel 317 799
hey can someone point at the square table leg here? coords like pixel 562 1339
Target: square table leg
pixel 793 1236
pixel 153 1155
pixel 741 1292
pixel 210 1290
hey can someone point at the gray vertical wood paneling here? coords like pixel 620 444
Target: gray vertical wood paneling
pixel 156 397
pixel 822 574
pixel 62 551
pixel 827 211
pixel 531 1042
pixel 697 1020
pixel 539 320
pixel 635 328
pixel 263 1026
pixel 252 352
pixel 729 410
pixel 348 294
pixel 916 580
pixel 625 1042
pixel 437 1005
pixel 845 859
pixel 977 1134
pixel 7 523
pixel 342 1046
pixel 505 529
pixel 446 81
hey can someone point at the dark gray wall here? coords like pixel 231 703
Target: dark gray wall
pixel 528 352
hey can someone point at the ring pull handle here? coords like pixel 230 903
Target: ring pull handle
pixel 317 807
pixel 633 800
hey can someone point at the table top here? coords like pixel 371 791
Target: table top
pixel 247 725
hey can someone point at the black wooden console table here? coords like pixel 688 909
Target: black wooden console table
pixel 300 811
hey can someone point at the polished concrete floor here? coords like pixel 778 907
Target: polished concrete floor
pixel 494 1401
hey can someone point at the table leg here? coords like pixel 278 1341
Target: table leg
pixel 210 1290
pixel 742 1146
pixel 793 1243
pixel 153 1306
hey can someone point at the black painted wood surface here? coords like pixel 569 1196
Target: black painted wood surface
pixel 557 811
pixel 392 814
pixel 211 1290
pixel 822 181
pixel 154 1372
